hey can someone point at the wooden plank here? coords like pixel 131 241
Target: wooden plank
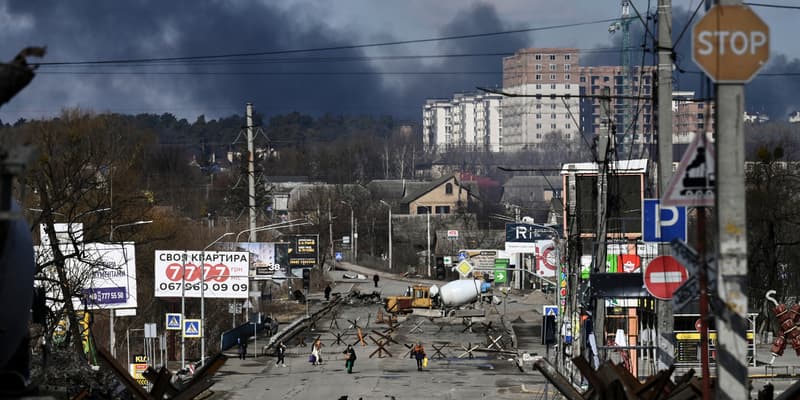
pixel 588 373
pixel 136 390
pixel 559 381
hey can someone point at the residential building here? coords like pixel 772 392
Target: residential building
pixel 630 109
pixel 547 80
pixel 468 122
pixel 690 116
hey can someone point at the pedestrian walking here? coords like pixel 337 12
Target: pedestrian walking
pixel 418 352
pixel 316 352
pixel 242 348
pixel 350 358
pixel 327 293
pixel 280 350
pixel 375 279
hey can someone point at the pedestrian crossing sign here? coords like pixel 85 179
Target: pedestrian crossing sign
pixel 550 310
pixel 191 328
pixel 173 321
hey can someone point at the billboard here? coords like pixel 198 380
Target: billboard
pixel 178 274
pixel 267 260
pixel 303 251
pixel 104 272
pixel 523 238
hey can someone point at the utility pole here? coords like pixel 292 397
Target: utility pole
pixel 664 312
pixel 605 147
pixel 251 173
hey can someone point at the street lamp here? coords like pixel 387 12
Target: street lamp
pixel 111 336
pixel 279 225
pixel 353 251
pixel 203 297
pixel 429 209
pixel 390 232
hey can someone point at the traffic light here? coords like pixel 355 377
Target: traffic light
pixel 306 278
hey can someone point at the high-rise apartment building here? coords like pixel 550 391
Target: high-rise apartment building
pixel 691 116
pixel 630 107
pixel 547 80
pixel 468 122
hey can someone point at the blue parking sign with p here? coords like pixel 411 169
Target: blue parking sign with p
pixel 662 223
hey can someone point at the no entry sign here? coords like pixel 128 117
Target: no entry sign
pixel 663 276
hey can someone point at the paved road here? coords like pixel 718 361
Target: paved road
pixel 491 374
pixel 450 375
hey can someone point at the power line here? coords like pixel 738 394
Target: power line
pixel 329 48
pixel 554 96
pixel 773 6
pixel 312 60
pixel 254 73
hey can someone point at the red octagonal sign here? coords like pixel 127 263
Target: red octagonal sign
pixel 730 43
pixel 663 276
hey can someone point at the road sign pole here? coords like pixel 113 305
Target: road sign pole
pixel 732 243
pixel 183 308
pixel 731 43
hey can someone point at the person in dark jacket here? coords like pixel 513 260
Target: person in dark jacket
pixel 327 293
pixel 281 352
pixel 242 348
pixel 376 278
pixel 350 358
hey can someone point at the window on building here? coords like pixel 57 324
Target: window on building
pixel 423 209
pixel 553 126
pixel 448 189
pixel 537 77
pixel 538 116
pixel 567 57
pixel 566 67
pixel 552 77
pixel 538 135
pixel 553 86
pixel 538 106
pixel 553 116
pixel 567 77
pixel 537 57
pixel 568 126
pixel 583 79
pixel 567 135
pixel 700 106
pixel 442 209
pixel 552 57
pixel 538 126
pixel 538 67
pixel 552 67
pixel 567 85
pixel 605 79
pixel 538 86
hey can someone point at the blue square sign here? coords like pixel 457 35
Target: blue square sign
pixel 191 328
pixel 663 223
pixel 550 310
pixel 173 321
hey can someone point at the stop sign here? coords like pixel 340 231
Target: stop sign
pixel 730 43
pixel 663 276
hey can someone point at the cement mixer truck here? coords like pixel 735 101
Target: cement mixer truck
pixel 453 294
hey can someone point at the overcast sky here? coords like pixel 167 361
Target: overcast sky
pixel 349 80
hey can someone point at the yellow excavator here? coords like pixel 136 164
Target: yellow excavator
pixel 419 297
